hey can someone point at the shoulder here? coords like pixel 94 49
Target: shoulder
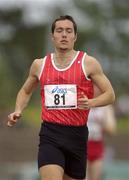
pixel 36 66
pixel 90 60
pixel 91 64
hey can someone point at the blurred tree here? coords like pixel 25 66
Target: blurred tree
pixel 105 35
pixel 20 44
pixel 6 88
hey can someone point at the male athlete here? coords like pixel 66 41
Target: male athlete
pixel 66 77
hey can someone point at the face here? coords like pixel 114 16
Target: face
pixel 64 36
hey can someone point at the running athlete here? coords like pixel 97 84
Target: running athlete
pixel 66 78
pixel 101 122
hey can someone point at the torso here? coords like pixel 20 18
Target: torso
pixel 60 88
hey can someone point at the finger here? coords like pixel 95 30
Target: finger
pixel 17 116
pixel 83 103
pixel 83 108
pixel 83 94
pixel 82 99
pixel 14 117
pixel 9 124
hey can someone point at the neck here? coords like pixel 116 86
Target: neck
pixel 63 55
pixel 63 59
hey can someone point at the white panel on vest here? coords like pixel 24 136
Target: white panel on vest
pixel 62 96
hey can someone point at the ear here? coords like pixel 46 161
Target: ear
pixel 75 38
pixel 52 37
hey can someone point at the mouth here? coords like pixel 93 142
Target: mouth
pixel 64 41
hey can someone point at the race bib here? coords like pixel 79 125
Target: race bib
pixel 63 96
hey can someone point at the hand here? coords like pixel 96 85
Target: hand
pixel 13 118
pixel 83 101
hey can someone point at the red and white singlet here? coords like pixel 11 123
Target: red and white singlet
pixel 60 89
pixel 96 121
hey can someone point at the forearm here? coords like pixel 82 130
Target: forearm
pixel 22 100
pixel 103 99
pixel 109 125
pixel 24 95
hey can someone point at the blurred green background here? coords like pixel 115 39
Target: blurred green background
pixel 103 32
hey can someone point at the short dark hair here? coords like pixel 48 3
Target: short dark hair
pixel 65 17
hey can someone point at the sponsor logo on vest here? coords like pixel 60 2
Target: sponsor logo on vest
pixel 59 90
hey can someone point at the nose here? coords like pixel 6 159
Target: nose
pixel 64 33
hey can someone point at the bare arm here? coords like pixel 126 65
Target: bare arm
pixel 109 125
pixel 106 95
pixel 25 93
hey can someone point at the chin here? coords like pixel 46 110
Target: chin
pixel 63 48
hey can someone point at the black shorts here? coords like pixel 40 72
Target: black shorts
pixel 65 146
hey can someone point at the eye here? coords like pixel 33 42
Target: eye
pixel 59 30
pixel 69 30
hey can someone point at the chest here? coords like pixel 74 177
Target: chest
pixel 70 75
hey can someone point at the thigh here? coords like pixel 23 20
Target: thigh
pixel 76 157
pixel 50 155
pixel 75 165
pixel 95 169
pixel 66 177
pixel 51 172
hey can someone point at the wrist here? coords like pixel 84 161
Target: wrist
pixel 19 111
pixel 92 103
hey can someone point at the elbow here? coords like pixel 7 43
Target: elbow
pixel 113 97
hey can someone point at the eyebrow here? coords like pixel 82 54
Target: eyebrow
pixel 64 28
